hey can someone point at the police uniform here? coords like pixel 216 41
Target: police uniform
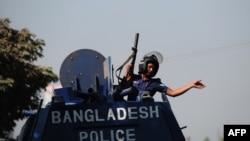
pixel 152 85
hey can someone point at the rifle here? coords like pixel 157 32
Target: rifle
pixel 123 83
pixel 131 69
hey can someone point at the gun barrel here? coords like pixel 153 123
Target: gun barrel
pixel 136 40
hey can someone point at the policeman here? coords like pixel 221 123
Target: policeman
pixel 148 68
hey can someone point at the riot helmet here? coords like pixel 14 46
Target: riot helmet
pixel 143 64
pixel 151 57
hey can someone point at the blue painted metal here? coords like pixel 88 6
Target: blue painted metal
pixel 83 110
pixel 145 121
pixel 86 65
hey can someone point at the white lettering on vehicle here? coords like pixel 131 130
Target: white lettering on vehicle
pixel 94 115
pixel 112 135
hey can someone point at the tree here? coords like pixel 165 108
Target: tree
pixel 207 139
pixel 20 79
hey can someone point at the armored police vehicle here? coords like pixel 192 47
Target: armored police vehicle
pixel 85 108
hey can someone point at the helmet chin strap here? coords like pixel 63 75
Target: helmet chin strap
pixel 149 74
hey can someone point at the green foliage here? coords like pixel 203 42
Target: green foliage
pixel 20 79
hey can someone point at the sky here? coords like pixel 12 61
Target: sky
pixel 206 40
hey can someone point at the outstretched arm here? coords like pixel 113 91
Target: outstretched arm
pixel 196 84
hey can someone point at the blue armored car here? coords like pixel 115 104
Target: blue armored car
pixel 84 109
